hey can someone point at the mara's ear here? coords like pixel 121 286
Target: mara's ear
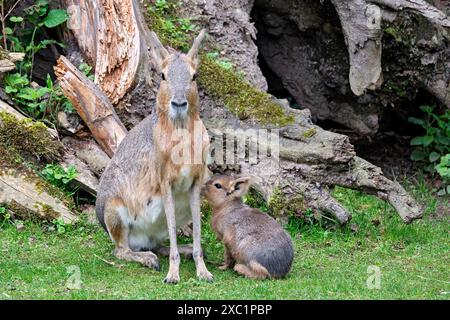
pixel 159 53
pixel 240 186
pixel 193 53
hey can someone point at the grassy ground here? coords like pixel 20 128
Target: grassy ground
pixel 413 260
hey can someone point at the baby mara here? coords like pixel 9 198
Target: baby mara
pixel 255 244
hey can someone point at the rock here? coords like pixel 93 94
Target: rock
pixel 20 226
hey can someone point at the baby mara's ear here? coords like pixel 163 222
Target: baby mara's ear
pixel 239 187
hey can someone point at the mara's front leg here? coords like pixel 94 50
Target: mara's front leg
pixel 173 276
pixel 197 253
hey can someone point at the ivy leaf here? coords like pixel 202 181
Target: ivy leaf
pixel 55 17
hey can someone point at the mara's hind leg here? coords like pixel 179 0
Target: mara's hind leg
pixel 119 231
pixel 254 270
pixel 184 250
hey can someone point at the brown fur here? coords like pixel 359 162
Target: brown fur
pixel 255 244
pixel 143 173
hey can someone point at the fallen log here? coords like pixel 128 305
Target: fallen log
pixel 92 105
pixel 65 156
pixel 8 60
pixel 23 192
pixel 23 195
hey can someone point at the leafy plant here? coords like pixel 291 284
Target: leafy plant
pixel 58 176
pixel 443 169
pixel 20 37
pixel 86 69
pixel 56 99
pixel 435 143
pixel 161 6
pixel 5 216
pixel 172 30
pixel 37 101
pixel 60 225
pixel 224 63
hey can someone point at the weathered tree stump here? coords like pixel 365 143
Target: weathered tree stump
pixel 312 160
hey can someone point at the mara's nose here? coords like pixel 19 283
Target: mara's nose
pixel 179 103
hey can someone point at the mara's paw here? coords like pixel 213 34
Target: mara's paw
pixel 205 275
pixel 151 260
pixel 172 278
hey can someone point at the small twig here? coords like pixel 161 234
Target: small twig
pixel 424 278
pixel 105 261
pixel 3 19
pixel 12 8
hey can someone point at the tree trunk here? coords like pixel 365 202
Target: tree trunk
pixel 311 159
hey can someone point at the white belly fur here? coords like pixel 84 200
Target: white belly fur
pixel 150 228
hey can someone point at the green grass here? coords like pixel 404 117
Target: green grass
pixel 413 259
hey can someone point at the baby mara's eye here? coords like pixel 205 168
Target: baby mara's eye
pixel 194 77
pixel 218 186
pixel 163 76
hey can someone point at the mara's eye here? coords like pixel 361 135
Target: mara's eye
pixel 194 77
pixel 218 186
pixel 163 76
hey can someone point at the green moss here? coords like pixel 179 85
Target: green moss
pixel 217 78
pixel 20 212
pixel 309 133
pixel 27 138
pixel 281 206
pixel 239 96
pixel 3 54
pixel 172 31
pixel 255 199
pixel 46 211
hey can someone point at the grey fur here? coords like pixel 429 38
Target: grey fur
pixel 258 237
pixel 138 144
pixel 262 239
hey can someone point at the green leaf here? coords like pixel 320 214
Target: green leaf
pixel 417 141
pixel 426 109
pixel 9 89
pixel 427 140
pixel 8 31
pixel 55 17
pixel 418 155
pixel 443 140
pixel 434 156
pixel 417 121
pixel 16 19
